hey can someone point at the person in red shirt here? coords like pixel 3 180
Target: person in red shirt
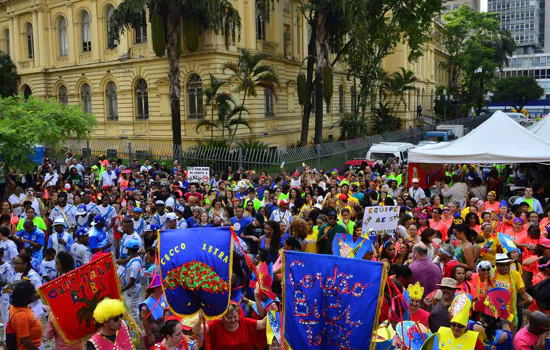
pixel 446 257
pixel 438 224
pixel 233 331
pixel 416 292
pixel 529 336
pixel 517 232
pixel 528 244
pixel 192 193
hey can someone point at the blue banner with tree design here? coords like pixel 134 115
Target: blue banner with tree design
pixel 195 269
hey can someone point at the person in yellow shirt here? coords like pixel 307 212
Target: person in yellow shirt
pixel 512 281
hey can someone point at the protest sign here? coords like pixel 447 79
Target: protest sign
pixel 74 296
pixel 198 174
pixel 380 220
pixel 195 269
pixel 330 302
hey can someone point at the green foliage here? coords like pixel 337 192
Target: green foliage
pixel 352 125
pixel 328 84
pixel 517 91
pixel 8 76
pixel 159 34
pixel 225 111
pixel 398 84
pixel 384 121
pixel 247 75
pixel 251 145
pixel 26 123
pixel 477 47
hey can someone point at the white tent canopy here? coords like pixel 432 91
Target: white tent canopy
pixel 541 128
pixel 498 140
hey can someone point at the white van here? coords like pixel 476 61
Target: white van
pixel 385 150
pixel 519 118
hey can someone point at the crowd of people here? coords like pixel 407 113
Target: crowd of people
pixel 445 258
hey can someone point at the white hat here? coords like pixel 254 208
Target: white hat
pixel 171 216
pixel 502 258
pixel 59 221
pixel 318 206
pixel 159 202
pixel 415 181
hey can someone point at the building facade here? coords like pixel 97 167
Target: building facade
pixel 526 20
pixel 429 71
pixel 535 65
pixel 62 51
pixel 451 5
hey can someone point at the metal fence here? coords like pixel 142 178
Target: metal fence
pixel 324 156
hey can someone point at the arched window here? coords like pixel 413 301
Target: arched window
pixel 62 97
pixel 141 31
pixel 7 41
pixel 269 103
pixel 194 96
pixel 260 23
pixel 30 41
pixel 112 101
pixel 86 35
pixel 86 98
pixel 111 43
pixel 341 99
pixel 62 33
pixel 142 100
pixel 27 92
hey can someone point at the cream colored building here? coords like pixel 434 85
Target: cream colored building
pixel 61 51
pixel 428 71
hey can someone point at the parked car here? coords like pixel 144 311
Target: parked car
pixel 520 118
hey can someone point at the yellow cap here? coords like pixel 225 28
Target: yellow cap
pixel 416 291
pixel 460 309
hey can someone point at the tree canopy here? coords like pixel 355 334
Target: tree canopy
pixel 517 91
pixel 8 76
pixel 26 123
pixel 477 48
pixel 362 33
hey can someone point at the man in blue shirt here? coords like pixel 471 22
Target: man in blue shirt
pixel 239 221
pixel 98 241
pixel 33 237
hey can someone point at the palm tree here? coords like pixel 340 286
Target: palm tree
pixel 210 93
pixel 401 82
pixel 250 74
pixel 505 46
pixel 229 115
pixel 8 76
pixel 166 19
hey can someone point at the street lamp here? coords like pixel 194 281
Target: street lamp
pixel 444 99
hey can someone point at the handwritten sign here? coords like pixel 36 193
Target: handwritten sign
pixel 330 302
pixel 195 269
pixel 198 174
pixel 74 296
pixel 380 220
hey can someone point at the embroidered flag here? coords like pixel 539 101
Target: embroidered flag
pixel 344 246
pixel 74 296
pixel 330 302
pixel 195 269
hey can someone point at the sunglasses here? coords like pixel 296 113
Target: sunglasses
pixel 457 325
pixel 332 217
pixel 117 318
pixel 484 270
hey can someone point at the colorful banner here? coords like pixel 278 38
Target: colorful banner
pixel 74 296
pixel 427 174
pixel 195 269
pixel 506 242
pixel 344 246
pixel 380 220
pixel 330 302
